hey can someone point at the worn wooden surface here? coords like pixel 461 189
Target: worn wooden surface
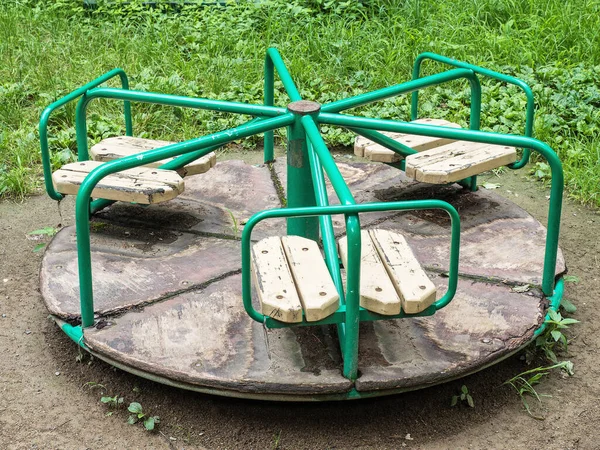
pixel 378 153
pixel 217 203
pixel 204 338
pixel 457 161
pixel 377 292
pixel 168 291
pixel 314 284
pixel 273 281
pixel 416 290
pixel 120 146
pixel 138 185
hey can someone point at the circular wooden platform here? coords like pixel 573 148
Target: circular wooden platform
pixel 168 290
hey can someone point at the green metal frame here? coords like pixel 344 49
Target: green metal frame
pixel 45 117
pixel 529 112
pixel 308 212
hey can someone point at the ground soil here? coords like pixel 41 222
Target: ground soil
pixel 49 399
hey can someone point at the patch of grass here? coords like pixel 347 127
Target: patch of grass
pixel 333 50
pixel 524 383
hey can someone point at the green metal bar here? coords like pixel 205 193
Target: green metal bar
pixel 163 99
pixel 273 61
pixel 328 238
pixel 386 141
pixel 43 125
pixel 557 183
pixel 331 168
pixel 530 111
pixel 126 107
pixel 75 333
pixel 339 316
pixel 350 210
pixel 350 330
pixel 150 156
pixel 414 85
pixel 288 83
pixel 347 336
pixel 326 224
pixel 269 93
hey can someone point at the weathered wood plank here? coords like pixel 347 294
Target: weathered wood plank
pixel 414 287
pixel 317 292
pixel 456 161
pixel 205 339
pixel 378 153
pixel 120 146
pixel 377 293
pixel 273 281
pixel 138 185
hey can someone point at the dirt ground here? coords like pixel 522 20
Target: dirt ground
pixel 49 400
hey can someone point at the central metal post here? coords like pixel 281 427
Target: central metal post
pixel 300 188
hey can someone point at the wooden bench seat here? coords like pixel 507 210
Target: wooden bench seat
pixel 139 185
pixel 439 161
pixel 391 277
pixel 120 146
pixel 290 276
pixel 378 153
pixel 457 161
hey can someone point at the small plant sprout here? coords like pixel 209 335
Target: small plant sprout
pixel 571 279
pixel 235 227
pixel 137 414
pixel 40 234
pixel 553 339
pixel 541 171
pixel 113 403
pixel 568 306
pixel 276 441
pixel 524 384
pixel 464 397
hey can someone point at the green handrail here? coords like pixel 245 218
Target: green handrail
pixel 405 88
pixel 557 182
pixel 405 205
pixel 128 162
pixel 43 126
pixel 413 86
pixel 162 99
pixel 530 111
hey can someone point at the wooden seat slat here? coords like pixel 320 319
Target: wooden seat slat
pixel 274 282
pixel 316 290
pixel 378 153
pixel 377 292
pixel 138 185
pixel 457 161
pixel 120 146
pixel 417 292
